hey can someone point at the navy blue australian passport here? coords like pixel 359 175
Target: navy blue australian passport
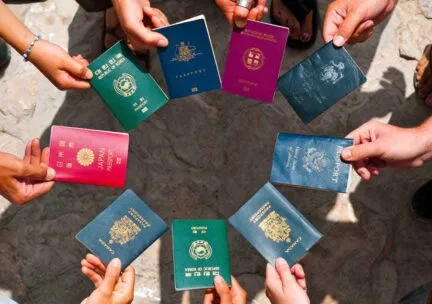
pixel 320 81
pixel 123 230
pixel 188 62
pixel 274 226
pixel 311 161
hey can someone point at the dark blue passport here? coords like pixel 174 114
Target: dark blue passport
pixel 320 81
pixel 188 62
pixel 123 230
pixel 274 226
pixel 311 161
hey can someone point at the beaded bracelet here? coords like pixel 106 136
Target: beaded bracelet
pixel 29 49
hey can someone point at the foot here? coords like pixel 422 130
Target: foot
pixel 284 17
pixel 422 201
pixel 424 77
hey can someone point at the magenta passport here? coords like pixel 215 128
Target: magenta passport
pixel 89 156
pixel 254 59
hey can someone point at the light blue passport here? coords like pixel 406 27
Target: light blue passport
pixel 274 226
pixel 320 81
pixel 189 63
pixel 311 161
pixel 123 230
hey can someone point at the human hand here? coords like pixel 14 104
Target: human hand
pixel 378 145
pixel 112 286
pixel 353 21
pixel 285 285
pixel 239 15
pixel 222 294
pixel 64 71
pixel 138 19
pixel 24 180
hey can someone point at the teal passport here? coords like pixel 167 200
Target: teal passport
pixel 311 161
pixel 125 86
pixel 274 226
pixel 123 230
pixel 189 62
pixel 320 81
pixel 200 251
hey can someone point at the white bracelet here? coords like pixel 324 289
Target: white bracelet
pixel 29 49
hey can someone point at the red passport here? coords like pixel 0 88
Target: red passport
pixel 87 156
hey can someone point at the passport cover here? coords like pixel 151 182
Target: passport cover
pixel 125 86
pixel 189 63
pixel 274 226
pixel 320 81
pixel 123 230
pixel 254 59
pixel 311 161
pixel 200 251
pixel 89 156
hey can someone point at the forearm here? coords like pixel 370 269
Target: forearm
pixel 13 31
pixel 425 137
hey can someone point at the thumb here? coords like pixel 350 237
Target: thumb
pixel 112 276
pixel 223 290
pixel 284 272
pixel 37 172
pixel 362 151
pixel 240 16
pixel 347 28
pixel 78 69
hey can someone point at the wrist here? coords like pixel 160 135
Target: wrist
pixel 424 132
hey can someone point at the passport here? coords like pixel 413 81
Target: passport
pixel 274 226
pixel 254 59
pixel 188 62
pixel 123 230
pixel 311 161
pixel 87 156
pixel 200 252
pixel 320 81
pixel 125 86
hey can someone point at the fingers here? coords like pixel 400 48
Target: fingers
pixel 158 18
pixel 36 172
pixel 27 153
pixel 45 156
pixel 112 276
pixel 128 277
pixel 77 68
pixel 273 281
pixel 362 151
pixel 144 37
pixel 239 295
pixel 284 272
pixel 363 32
pixel 222 290
pixel 347 28
pixel 209 296
pixel 92 275
pixel 298 272
pixel 93 262
pixel 36 152
pixel 240 16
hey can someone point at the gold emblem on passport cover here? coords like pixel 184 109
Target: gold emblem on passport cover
pixel 276 228
pixel 185 52
pixel 253 59
pixel 125 85
pixel 200 250
pixel 85 157
pixel 123 231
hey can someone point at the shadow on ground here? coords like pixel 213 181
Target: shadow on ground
pixel 203 157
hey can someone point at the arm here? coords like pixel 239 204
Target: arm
pixel 62 70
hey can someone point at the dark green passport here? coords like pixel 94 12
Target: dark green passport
pixel 125 86
pixel 200 251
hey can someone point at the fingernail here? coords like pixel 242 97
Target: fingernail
pixel 218 280
pixel 162 43
pixel 116 263
pixel 50 174
pixel 281 262
pixel 266 9
pixel 306 37
pixel 346 154
pixel 339 41
pixel 240 23
pixel 89 74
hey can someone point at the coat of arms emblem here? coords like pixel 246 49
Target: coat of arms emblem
pixel 125 85
pixel 185 52
pixel 315 160
pixel 276 228
pixel 200 250
pixel 85 157
pixel 253 59
pixel 332 72
pixel 123 231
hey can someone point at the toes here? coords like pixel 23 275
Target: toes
pixel 307 28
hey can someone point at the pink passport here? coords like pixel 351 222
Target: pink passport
pixel 254 59
pixel 89 156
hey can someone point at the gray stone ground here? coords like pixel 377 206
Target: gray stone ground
pixel 204 156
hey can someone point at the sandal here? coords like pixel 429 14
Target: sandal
pixel 418 86
pixel 300 9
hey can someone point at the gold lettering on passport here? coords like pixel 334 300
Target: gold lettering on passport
pixel 276 228
pixel 139 218
pixel 259 35
pixel 294 244
pixel 338 163
pixel 199 229
pixel 123 231
pixel 106 246
pixel 260 213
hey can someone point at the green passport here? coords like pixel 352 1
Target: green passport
pixel 125 86
pixel 200 251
